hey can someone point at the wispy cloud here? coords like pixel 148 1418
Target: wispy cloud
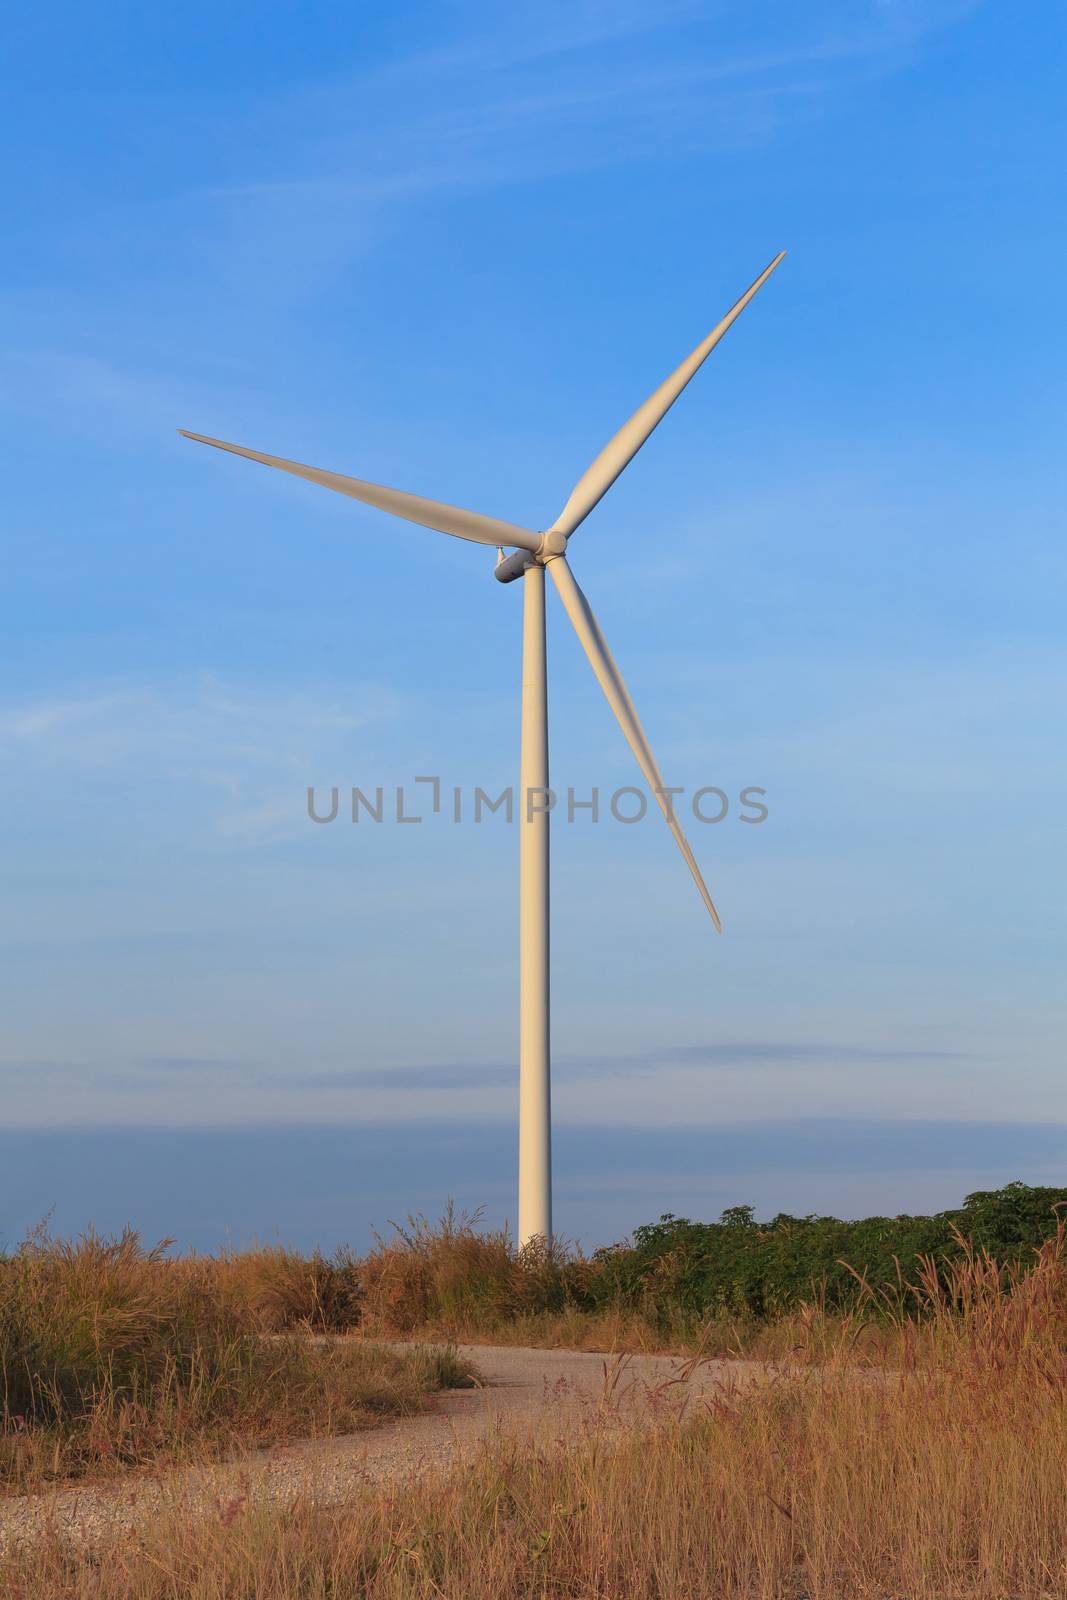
pixel 65 386
pixel 317 173
pixel 192 1064
pixel 501 103
pixel 249 753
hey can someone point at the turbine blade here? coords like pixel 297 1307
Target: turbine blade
pixel 609 677
pixel 430 513
pixel 597 479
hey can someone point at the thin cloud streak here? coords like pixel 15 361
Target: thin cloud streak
pixel 503 111
pixel 448 1075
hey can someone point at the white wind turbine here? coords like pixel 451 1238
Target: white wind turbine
pixel 533 553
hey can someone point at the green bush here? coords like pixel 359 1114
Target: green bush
pixel 764 1270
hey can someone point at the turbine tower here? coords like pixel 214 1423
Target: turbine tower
pixel 533 554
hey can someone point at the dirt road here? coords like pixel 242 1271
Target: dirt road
pixel 562 1390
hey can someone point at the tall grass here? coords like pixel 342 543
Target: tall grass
pixel 937 1476
pixel 273 1288
pixel 114 1355
pixel 456 1275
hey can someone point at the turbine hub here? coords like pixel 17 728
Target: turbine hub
pixel 553 543
pixel 508 568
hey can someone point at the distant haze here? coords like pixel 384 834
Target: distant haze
pixel 326 1186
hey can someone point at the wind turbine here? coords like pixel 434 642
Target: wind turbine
pixel 533 553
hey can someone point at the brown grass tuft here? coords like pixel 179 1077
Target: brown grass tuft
pixel 452 1276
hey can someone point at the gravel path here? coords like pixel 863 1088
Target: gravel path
pixel 521 1390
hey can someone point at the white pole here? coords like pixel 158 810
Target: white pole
pixel 535 1149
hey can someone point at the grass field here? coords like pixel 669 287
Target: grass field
pixel 933 1467
pixel 113 1356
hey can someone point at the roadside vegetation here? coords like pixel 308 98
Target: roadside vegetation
pixel 937 1472
pixel 114 1356
pixel 737 1285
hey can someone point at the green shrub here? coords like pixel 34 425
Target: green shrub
pixel 764 1270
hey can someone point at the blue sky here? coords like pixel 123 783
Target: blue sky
pixel 450 248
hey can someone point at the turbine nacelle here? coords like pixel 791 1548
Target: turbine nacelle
pixel 508 568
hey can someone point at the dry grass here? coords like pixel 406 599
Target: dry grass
pixel 807 1334
pixel 271 1288
pixel 114 1356
pixel 940 1476
pixel 454 1274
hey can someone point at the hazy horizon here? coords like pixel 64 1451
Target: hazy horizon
pixel 209 1188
